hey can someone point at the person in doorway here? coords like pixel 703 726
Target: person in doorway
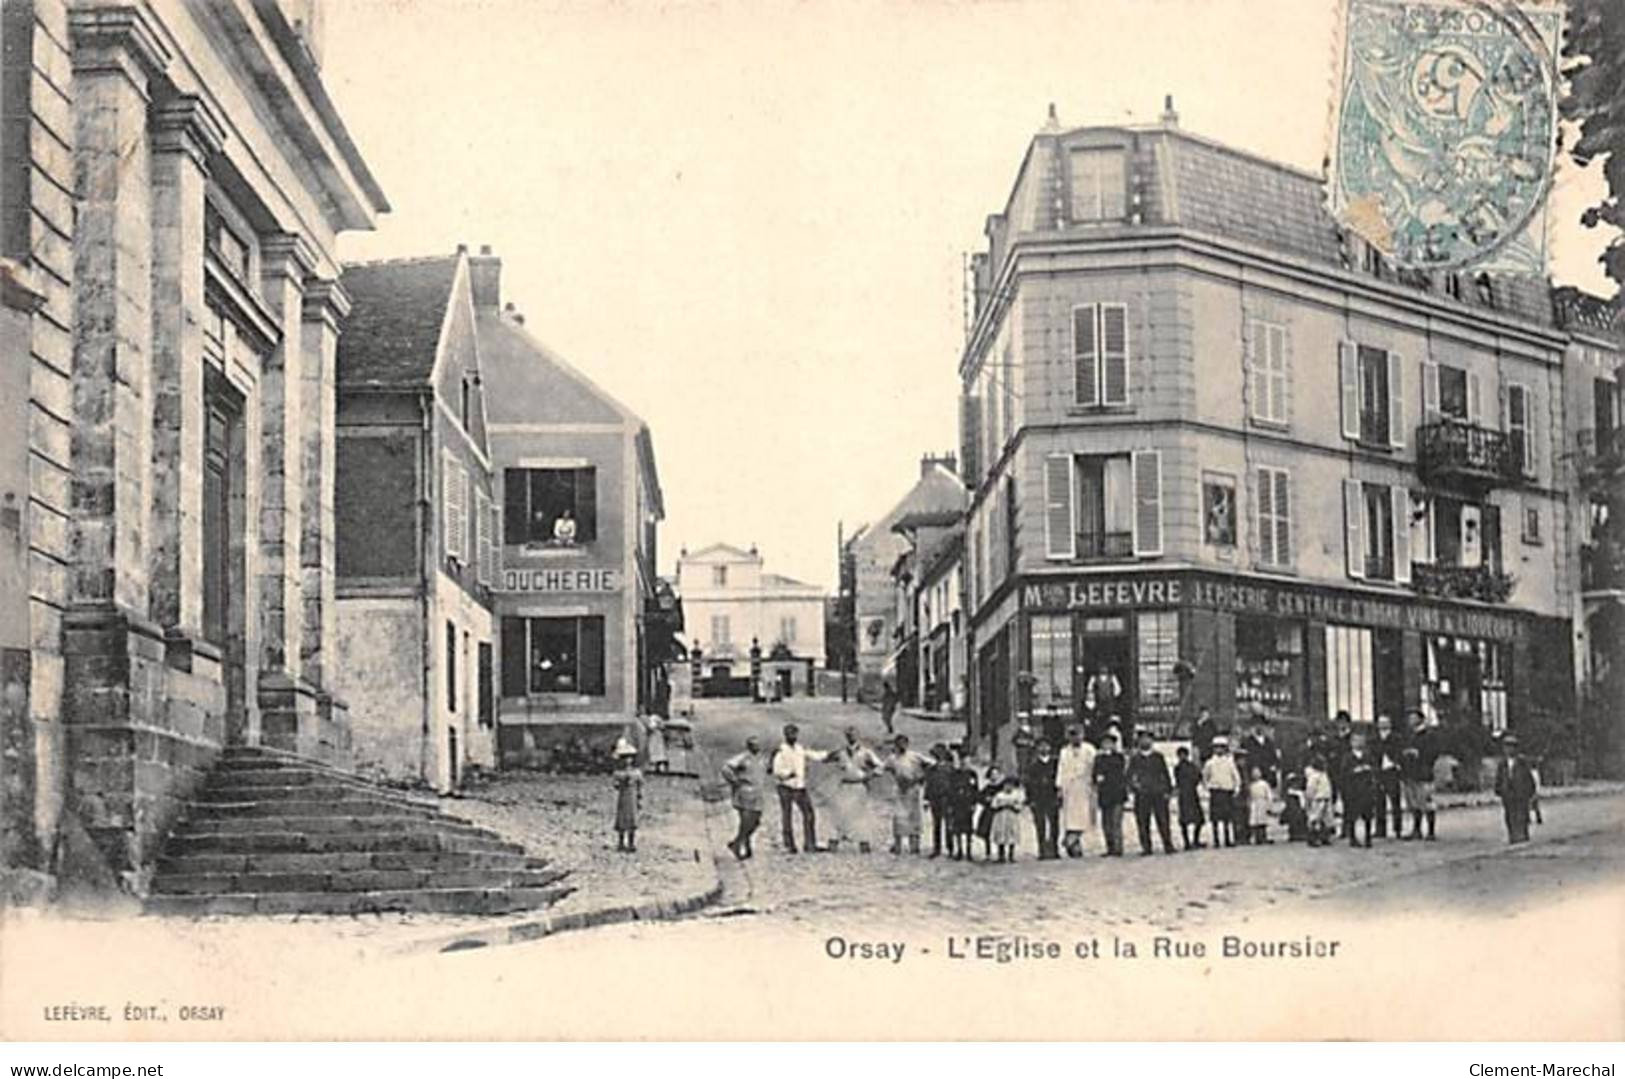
pixel 1359 793
pixel 1005 826
pixel 1075 776
pixel 1188 784
pixel 1202 735
pixel 1148 778
pixel 746 773
pixel 908 770
pixel 1387 757
pixel 1223 782
pixel 1515 786
pixel 1101 692
pixel 628 784
pixel 858 764
pixel 939 784
pixel 1043 797
pixel 790 762
pixel 1111 792
pixel 888 704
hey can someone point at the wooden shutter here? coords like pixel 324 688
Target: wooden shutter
pixel 496 548
pixel 590 655
pixel 1253 347
pixel 1275 358
pixel 1085 356
pixel 1354 528
pixel 1264 501
pixel 516 505
pixel 1401 524
pixel 1147 502
pixel 586 483
pixel 1114 353
pixel 970 439
pixel 487 685
pixel 1060 531
pixel 515 666
pixel 482 537
pixel 1430 391
pixel 1396 400
pixel 1348 377
pixel 1283 517
pixel 454 523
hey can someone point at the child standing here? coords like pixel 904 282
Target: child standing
pixel 1293 814
pixel 985 813
pixel 628 782
pixel 1317 798
pixel 963 797
pixel 1223 783
pixel 1259 800
pixel 1006 806
pixel 1188 782
pixel 1359 794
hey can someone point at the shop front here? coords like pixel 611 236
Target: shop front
pixel 1153 648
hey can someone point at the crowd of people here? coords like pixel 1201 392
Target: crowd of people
pixel 1350 787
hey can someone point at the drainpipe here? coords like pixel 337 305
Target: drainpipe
pixel 426 561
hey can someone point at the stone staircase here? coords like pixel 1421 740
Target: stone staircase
pixel 274 833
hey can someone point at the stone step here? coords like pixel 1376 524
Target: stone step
pixel 186 842
pixel 433 900
pixel 361 880
pixel 308 807
pixel 332 825
pixel 258 778
pixel 232 793
pixel 344 861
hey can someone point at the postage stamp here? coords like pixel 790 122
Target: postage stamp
pixel 1445 135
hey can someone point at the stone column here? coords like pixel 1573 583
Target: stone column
pixel 185 134
pixel 325 307
pixel 287 702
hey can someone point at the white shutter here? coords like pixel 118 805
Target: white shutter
pixel 1275 339
pixel 496 542
pixel 1430 391
pixel 1264 497
pixel 1401 525
pixel 1257 381
pixel 1354 527
pixel 1085 355
pixel 1147 502
pixel 1283 517
pixel 1421 528
pixel 1348 375
pixel 1114 353
pixel 452 509
pixel 1396 400
pixel 1060 530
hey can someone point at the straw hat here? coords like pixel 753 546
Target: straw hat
pixel 623 748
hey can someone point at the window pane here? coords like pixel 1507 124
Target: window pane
pixel 1052 659
pixel 1158 651
pixel 1452 392
pixel 1270 663
pixel 553 655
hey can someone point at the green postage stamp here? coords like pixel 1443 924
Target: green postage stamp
pixel 1444 138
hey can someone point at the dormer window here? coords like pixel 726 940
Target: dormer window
pixel 1099 184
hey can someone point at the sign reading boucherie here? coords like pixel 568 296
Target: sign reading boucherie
pixel 561 580
pixel 1268 598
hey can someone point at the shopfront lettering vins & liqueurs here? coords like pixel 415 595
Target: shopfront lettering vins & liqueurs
pixel 561 580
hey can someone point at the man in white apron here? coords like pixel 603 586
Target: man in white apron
pixel 850 803
pixel 1074 774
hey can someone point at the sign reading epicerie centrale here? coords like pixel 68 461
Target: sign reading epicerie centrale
pixel 561 580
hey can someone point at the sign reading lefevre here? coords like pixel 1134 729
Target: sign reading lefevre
pixel 1267 598
pixel 561 580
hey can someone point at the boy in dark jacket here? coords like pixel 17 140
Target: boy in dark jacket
pixel 1044 800
pixel 1111 791
pixel 963 799
pixel 1359 793
pixel 1148 778
pixel 939 784
pixel 1188 782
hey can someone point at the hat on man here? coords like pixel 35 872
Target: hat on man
pixel 1221 740
pixel 623 748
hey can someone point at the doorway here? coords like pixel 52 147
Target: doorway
pixel 1104 670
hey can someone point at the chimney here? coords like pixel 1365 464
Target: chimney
pixel 1052 122
pixel 1170 117
pixel 485 276
pixel 949 461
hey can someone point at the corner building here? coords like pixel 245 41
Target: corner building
pixel 1222 454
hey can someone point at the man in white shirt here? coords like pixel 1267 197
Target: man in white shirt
pixel 1222 779
pixel 790 770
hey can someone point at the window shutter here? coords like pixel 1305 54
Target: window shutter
pixel 590 653
pixel 1283 517
pixel 516 503
pixel 1286 375
pixel 496 548
pixel 1085 355
pixel 1475 410
pixel 586 481
pixel 1257 379
pixel 515 667
pixel 465 488
pixel 1354 527
pixel 1348 374
pixel 451 491
pixel 1430 391
pixel 970 439
pixel 1396 400
pixel 1264 500
pixel 1114 353
pixel 1147 502
pixel 1401 525
pixel 1275 339
pixel 482 537
pixel 1060 533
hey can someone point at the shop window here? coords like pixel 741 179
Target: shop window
pixel 1052 660
pixel 1373 399
pixel 1157 654
pixel 1349 666
pixel 1267 370
pixel 1270 664
pixel 1464 680
pixel 1218 510
pixel 552 507
pixel 553 655
pixel 1100 354
pixel 1099 184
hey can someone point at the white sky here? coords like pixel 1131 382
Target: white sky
pixel 746 219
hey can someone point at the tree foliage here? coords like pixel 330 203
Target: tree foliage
pixel 1594 65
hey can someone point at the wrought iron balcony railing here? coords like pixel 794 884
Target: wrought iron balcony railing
pixel 1461 582
pixel 1455 450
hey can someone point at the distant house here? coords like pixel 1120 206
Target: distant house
pixel 416 524
pixel 731 603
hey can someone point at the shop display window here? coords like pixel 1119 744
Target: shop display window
pixel 1158 652
pixel 1270 664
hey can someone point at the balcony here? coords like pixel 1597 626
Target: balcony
pixel 1461 582
pixel 1601 454
pixel 1454 451
pixel 1602 567
pixel 1105 546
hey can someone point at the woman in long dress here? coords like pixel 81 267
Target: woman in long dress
pixel 656 745
pixel 1075 775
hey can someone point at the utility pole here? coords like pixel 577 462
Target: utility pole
pixel 840 598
